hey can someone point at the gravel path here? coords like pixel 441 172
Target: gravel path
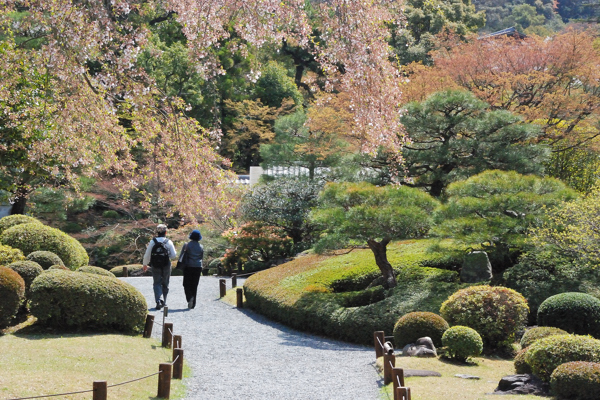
pixel 240 354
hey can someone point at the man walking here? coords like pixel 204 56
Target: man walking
pixel 158 255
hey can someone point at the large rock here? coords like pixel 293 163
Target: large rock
pixel 476 267
pixel 422 348
pixel 522 384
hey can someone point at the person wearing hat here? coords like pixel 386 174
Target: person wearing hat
pixel 160 263
pixel 192 254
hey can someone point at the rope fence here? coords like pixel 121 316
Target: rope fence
pixel 391 374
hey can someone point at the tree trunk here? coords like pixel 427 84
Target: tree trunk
pixel 18 207
pixel 379 250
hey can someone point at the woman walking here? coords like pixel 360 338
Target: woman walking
pixel 192 254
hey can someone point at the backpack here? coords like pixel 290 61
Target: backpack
pixel 159 256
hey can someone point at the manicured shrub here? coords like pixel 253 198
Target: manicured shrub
pixel 497 313
pixel 28 270
pixel 521 367
pixel 46 259
pixel 539 332
pixel 577 313
pixel 59 267
pixel 462 342
pixel 12 292
pixel 132 270
pixel 89 269
pixel 72 300
pixel 544 355
pixel 11 220
pixel 415 325
pixel 35 237
pixel 577 380
pixel 9 255
pixel 110 214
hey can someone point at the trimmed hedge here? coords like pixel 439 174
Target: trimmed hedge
pixel 462 342
pixel 35 237
pixel 12 292
pixel 46 259
pixel 28 270
pixel 577 380
pixel 539 332
pixel 67 299
pixel 89 269
pixel 132 270
pixel 577 313
pixel 12 220
pixel 59 267
pixel 521 366
pixel 497 313
pixel 9 255
pixel 415 325
pixel 544 355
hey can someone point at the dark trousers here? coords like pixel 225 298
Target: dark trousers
pixel 160 277
pixel 191 277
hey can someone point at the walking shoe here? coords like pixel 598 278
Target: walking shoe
pixel 191 303
pixel 159 305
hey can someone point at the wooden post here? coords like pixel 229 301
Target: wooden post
pixel 148 326
pixel 397 380
pixel 178 364
pixel 100 390
pixel 222 287
pixel 176 344
pixel 403 393
pixel 125 272
pixel 164 381
pixel 240 297
pixel 379 339
pixel 167 337
pixel 389 362
pixel 233 280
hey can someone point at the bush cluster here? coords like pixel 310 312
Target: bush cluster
pixel 521 366
pixel 544 355
pixel 539 332
pixel 28 270
pixel 11 220
pixel 462 342
pixel 132 270
pixel 46 259
pixel 71 300
pixel 89 269
pixel 9 255
pixel 577 313
pixel 59 267
pixel 497 313
pixel 12 292
pixel 415 325
pixel 34 236
pixel 577 380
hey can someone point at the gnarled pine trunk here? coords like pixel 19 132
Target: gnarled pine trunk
pixel 379 250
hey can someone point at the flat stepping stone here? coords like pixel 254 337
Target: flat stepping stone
pixel 466 376
pixel 420 372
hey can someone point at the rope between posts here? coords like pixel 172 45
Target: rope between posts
pixel 175 360
pixel 134 380
pixel 381 344
pixel 171 332
pixel 52 395
pixel 249 273
pixel 158 323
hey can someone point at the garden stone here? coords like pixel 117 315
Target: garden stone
pixel 522 384
pixel 466 376
pixel 422 348
pixel 476 267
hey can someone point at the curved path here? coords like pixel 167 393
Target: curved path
pixel 240 354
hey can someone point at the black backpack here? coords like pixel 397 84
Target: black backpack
pixel 159 256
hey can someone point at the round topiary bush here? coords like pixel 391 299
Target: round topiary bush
pixel 497 313
pixel 12 292
pixel 11 220
pixel 9 255
pixel 46 259
pixel 72 300
pixel 539 332
pixel 415 325
pixel 89 269
pixel 577 313
pixel 577 380
pixel 544 355
pixel 28 270
pixel 59 267
pixel 462 342
pixel 521 367
pixel 35 237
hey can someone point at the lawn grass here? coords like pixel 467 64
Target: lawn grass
pixel 449 387
pixel 40 364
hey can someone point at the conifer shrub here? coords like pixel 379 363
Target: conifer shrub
pixel 89 269
pixel 9 255
pixel 544 355
pixel 12 293
pixel 576 380
pixel 71 300
pixel 496 312
pixel 11 220
pixel 46 259
pixel 28 270
pixel 577 313
pixel 415 325
pixel 32 237
pixel 539 332
pixel 462 342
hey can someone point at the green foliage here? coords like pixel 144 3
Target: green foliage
pixel 521 367
pixel 539 332
pixel 89 269
pixel 462 342
pixel 17 219
pixel 12 293
pixel 58 267
pixel 497 313
pixel 257 241
pixel 500 15
pixel 415 325
pixel 9 255
pixel 110 214
pixel 132 270
pixel 577 313
pixel 72 227
pixel 32 237
pixel 45 259
pixel 544 355
pixel 254 266
pixel 28 270
pixel 274 85
pixel 578 380
pixel 58 203
pixel 66 299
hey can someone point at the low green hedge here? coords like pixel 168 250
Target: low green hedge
pixel 577 313
pixel 71 300
pixel 577 380
pixel 28 270
pixel 462 342
pixel 12 220
pixel 539 332
pixel 415 325
pixel 12 293
pixel 89 269
pixel 46 259
pixel 9 255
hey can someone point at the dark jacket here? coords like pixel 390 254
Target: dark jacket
pixel 194 254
